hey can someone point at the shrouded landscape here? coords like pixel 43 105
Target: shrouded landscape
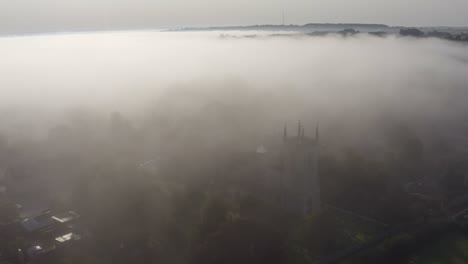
pixel 198 147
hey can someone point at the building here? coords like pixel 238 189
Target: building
pixel 283 173
pixel 300 185
pixel 48 232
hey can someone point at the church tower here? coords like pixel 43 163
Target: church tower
pixel 300 176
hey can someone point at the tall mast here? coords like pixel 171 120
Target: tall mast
pixel 283 15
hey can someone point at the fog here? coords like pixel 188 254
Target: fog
pixel 154 136
pixel 133 96
pixel 127 71
pixel 326 79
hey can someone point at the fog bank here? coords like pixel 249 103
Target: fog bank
pixel 261 82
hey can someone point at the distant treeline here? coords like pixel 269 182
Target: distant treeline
pixel 414 32
pixel 405 32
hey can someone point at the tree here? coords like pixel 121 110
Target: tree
pixel 8 211
pixel 413 32
pixel 242 241
pixel 214 214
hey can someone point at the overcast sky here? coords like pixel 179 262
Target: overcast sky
pixel 19 16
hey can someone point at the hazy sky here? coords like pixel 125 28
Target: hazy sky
pixel 18 16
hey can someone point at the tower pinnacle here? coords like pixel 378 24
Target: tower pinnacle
pixel 299 129
pixel 285 132
pixel 317 132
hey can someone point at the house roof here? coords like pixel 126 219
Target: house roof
pixel 65 217
pixel 36 223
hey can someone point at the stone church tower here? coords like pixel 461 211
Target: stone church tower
pixel 300 177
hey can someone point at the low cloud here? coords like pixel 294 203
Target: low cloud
pixel 244 87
